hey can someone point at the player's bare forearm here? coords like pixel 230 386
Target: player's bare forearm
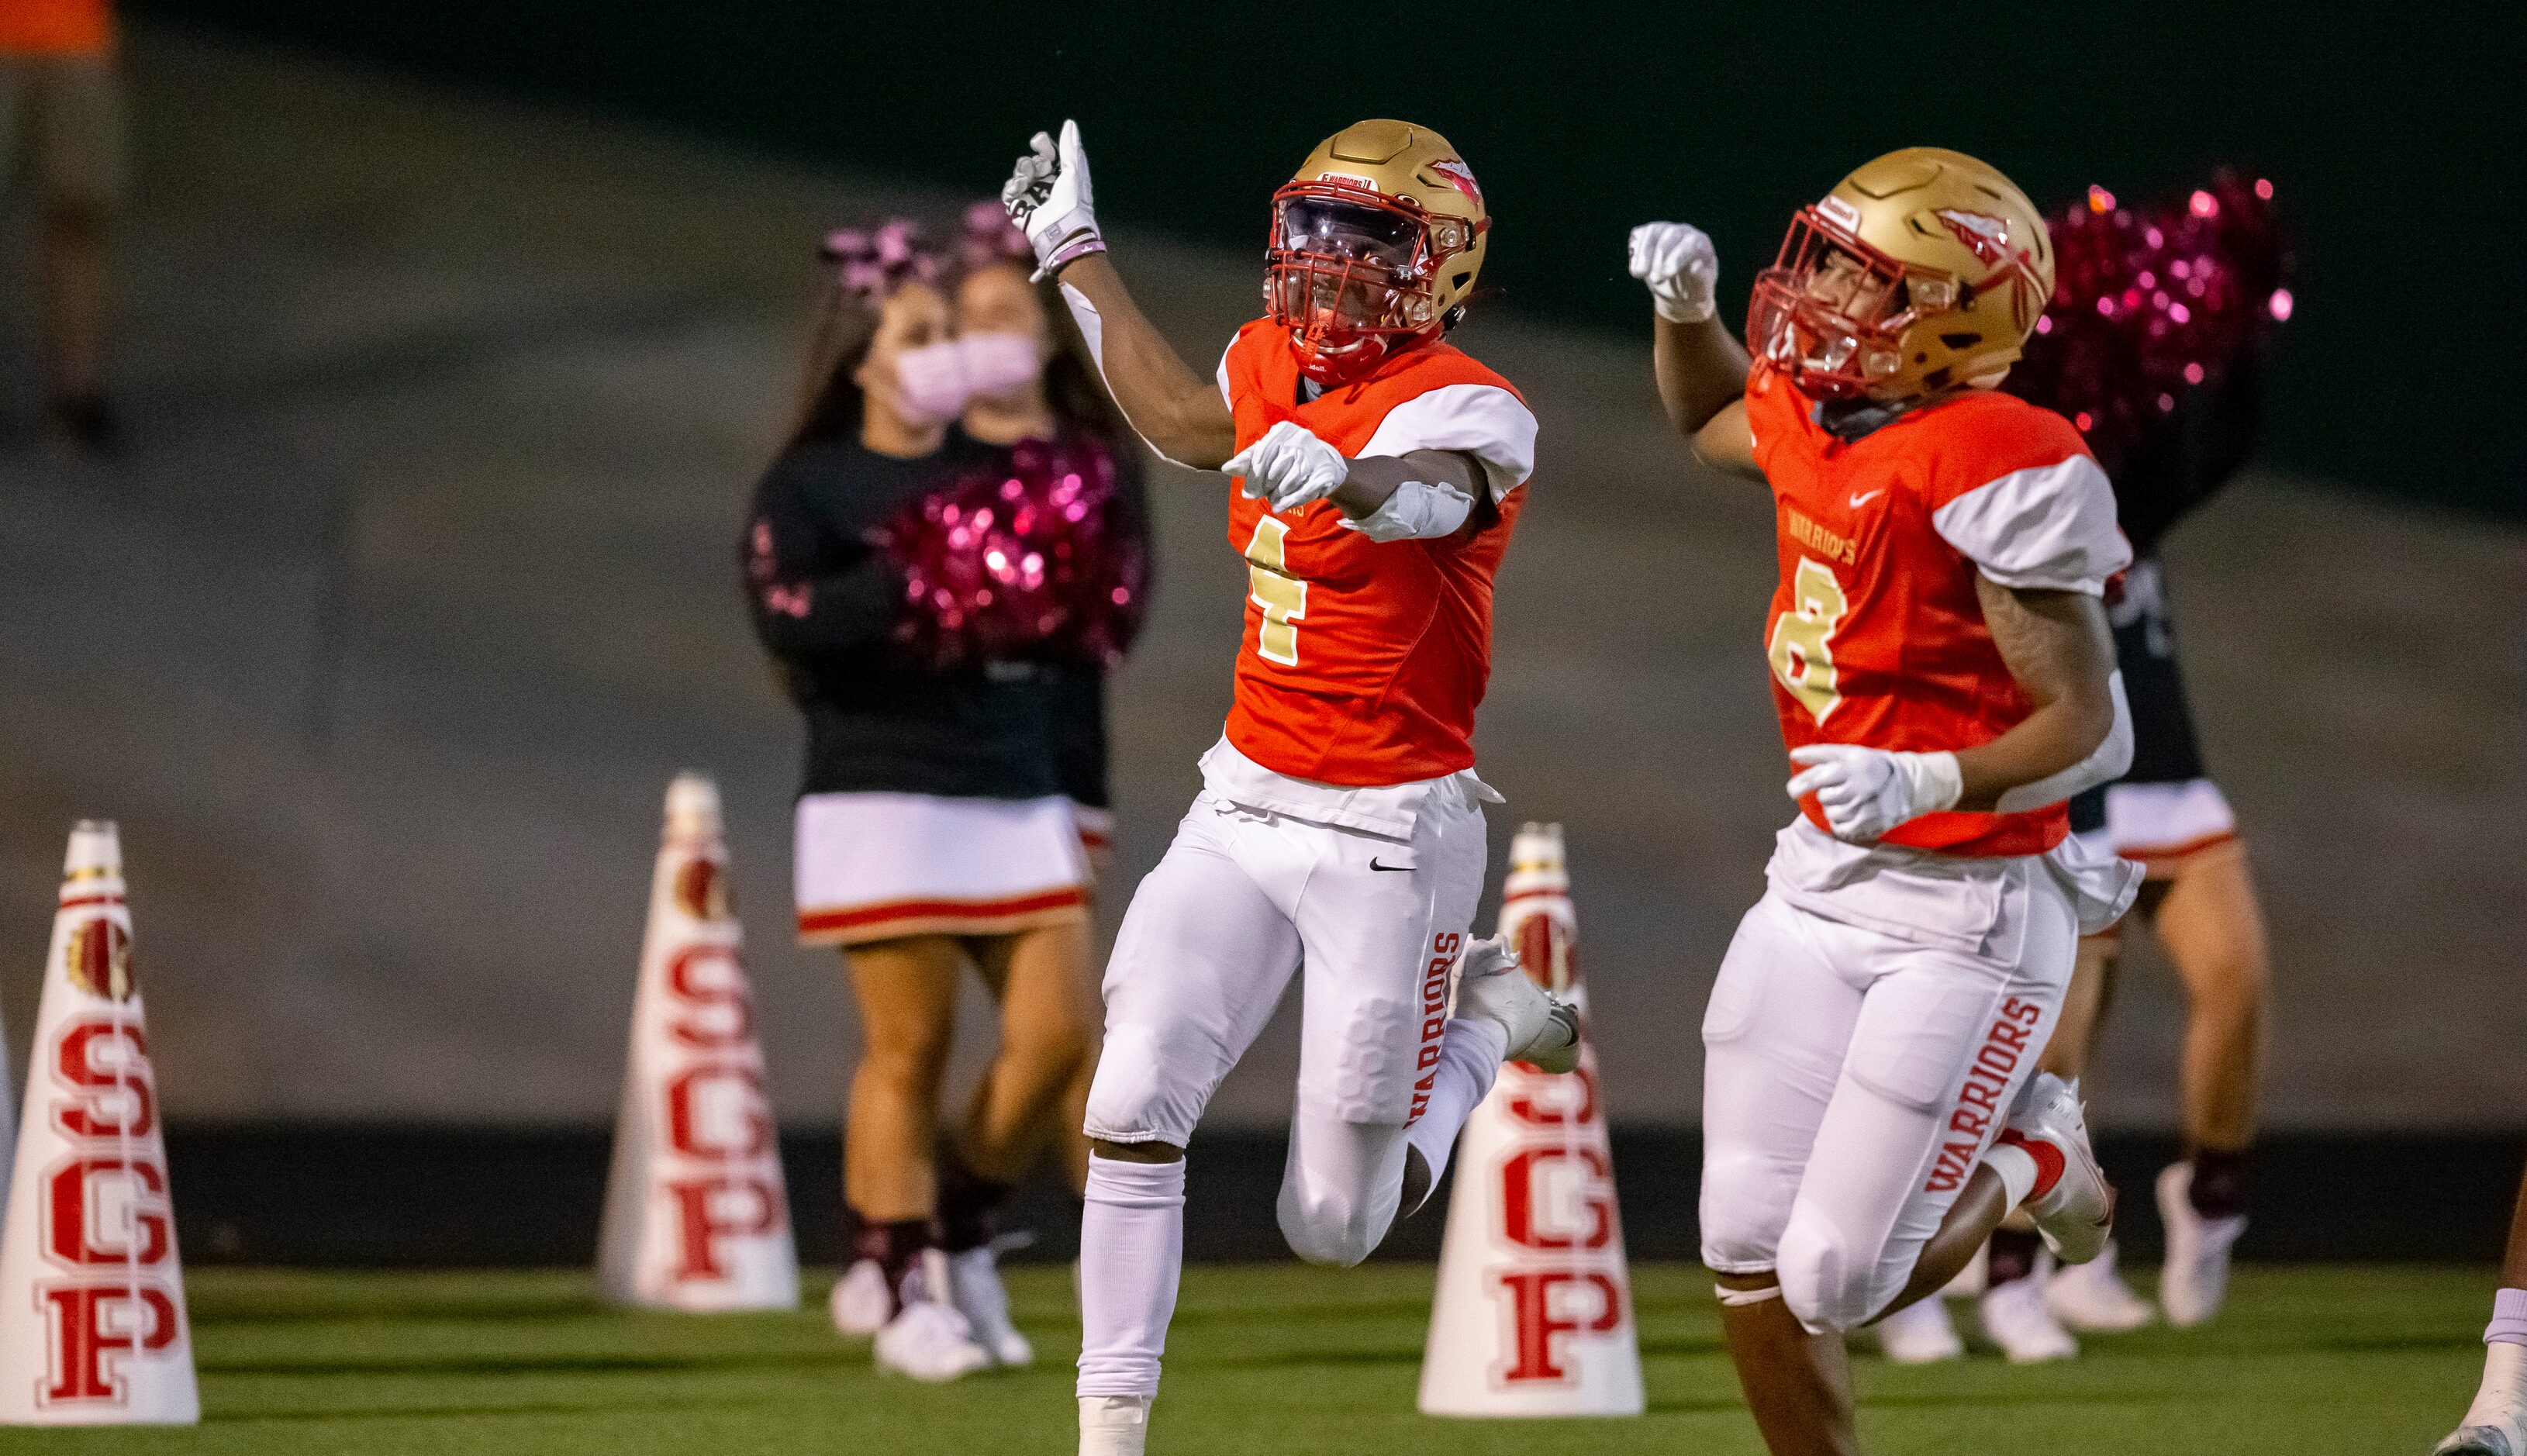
pixel 1700 367
pixel 1374 478
pixel 1701 373
pixel 1176 409
pixel 2057 646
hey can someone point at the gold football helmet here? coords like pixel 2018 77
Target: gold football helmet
pixel 1920 271
pixel 1375 243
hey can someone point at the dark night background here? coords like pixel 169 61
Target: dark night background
pixel 2390 134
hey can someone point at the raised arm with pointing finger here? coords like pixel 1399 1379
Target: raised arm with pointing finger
pixel 1185 417
pixel 1340 831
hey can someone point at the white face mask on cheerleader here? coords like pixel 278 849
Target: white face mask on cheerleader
pixel 937 380
pixel 932 383
pixel 997 363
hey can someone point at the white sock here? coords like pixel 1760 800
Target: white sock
pixel 1470 1049
pixel 2502 1396
pixel 1114 1425
pixel 2017 1168
pixel 1131 1253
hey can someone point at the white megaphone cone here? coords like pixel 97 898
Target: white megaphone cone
pixel 1534 1311
pixel 92 1326
pixel 696 1216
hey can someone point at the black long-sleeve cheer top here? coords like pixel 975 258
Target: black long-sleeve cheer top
pixel 823 598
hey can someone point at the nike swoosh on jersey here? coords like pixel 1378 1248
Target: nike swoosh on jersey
pixel 1391 869
pixel 1858 500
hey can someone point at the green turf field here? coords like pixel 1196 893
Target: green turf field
pixel 1270 1359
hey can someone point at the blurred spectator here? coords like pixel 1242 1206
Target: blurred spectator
pixel 61 137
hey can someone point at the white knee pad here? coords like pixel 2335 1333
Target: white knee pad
pixel 1341 1186
pixel 1130 1100
pixel 1828 1284
pixel 1746 1203
pixel 1329 1227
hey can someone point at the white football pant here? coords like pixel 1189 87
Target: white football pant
pixel 1852 1079
pixel 1242 899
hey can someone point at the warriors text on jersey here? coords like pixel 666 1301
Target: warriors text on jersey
pixel 1875 635
pixel 1362 661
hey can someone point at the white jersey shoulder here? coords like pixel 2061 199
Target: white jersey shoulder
pixel 2048 527
pixel 1484 421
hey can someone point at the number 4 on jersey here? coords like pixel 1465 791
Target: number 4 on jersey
pixel 1283 597
pixel 1802 648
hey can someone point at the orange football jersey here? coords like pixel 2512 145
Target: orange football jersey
pixel 1362 661
pixel 57 27
pixel 1875 635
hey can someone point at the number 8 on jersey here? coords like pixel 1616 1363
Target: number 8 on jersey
pixel 1802 648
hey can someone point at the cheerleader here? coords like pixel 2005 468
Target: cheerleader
pixel 938 557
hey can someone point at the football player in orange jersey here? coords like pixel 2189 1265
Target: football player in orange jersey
pixel 1340 828
pixel 1946 680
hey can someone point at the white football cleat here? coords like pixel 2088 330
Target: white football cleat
pixel 2015 1318
pixel 2078 1213
pixel 1920 1333
pixel 974 1278
pixel 2495 1424
pixel 1114 1425
pixel 2483 1440
pixel 1540 1029
pixel 862 1303
pixel 2195 1278
pixel 2092 1296
pixel 928 1339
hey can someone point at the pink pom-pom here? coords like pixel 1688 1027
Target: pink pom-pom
pixel 2150 303
pixel 873 264
pixel 1032 562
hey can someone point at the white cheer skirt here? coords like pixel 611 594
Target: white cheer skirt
pixel 2158 825
pixel 874 866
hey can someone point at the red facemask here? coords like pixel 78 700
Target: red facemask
pixel 1352 276
pixel 1831 310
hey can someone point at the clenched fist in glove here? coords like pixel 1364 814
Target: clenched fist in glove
pixel 1049 197
pixel 1680 266
pixel 1867 792
pixel 1289 467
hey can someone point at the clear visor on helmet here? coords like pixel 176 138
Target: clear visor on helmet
pixel 1334 227
pixel 1341 267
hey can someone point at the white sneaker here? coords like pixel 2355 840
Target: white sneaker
pixel 1920 1333
pixel 1540 1029
pixel 862 1301
pixel 2078 1213
pixel 974 1280
pixel 1114 1425
pixel 2495 1424
pixel 2093 1296
pixel 2015 1318
pixel 928 1339
pixel 2196 1278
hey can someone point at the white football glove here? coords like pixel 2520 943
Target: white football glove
pixel 1867 792
pixel 1289 467
pixel 1680 267
pixel 1049 197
